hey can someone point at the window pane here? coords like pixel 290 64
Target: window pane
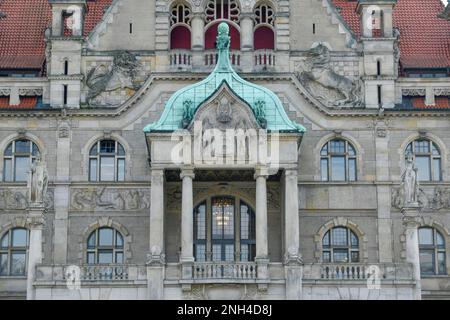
pixel 119 240
pixel 19 238
pixel 228 219
pixel 436 169
pixel 354 239
pixel 23 146
pixel 324 169
pixel 107 169
pixel 91 258
pixel 326 257
pixel 426 236
pixel 422 146
pixel 352 169
pixel 339 237
pixel 119 257
pixel 440 242
pixel 93 170
pixel 324 151
pixel 441 263
pixel 8 150
pixel 22 166
pixel 91 240
pixel 244 252
pixel 200 222
pixel 337 168
pixel 337 146
pixel 229 252
pixel 18 263
pixel 409 148
pixel 105 257
pixel 94 150
pixel 351 150
pixel 435 150
pixel 120 151
pixel 7 170
pixel 217 252
pixel 3 264
pixel 5 241
pixel 340 255
pixel 35 150
pixel 423 164
pixel 121 170
pixel 355 256
pixel 105 237
pixel 326 239
pixel 107 146
pixel 427 261
pixel 200 251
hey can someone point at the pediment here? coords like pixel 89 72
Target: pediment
pixel 225 110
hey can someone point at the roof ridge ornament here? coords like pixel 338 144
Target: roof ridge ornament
pixel 223 46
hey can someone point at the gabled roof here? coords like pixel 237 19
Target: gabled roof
pixel 22 30
pixel 193 96
pixel 424 37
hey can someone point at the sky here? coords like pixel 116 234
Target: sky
pixel 445 1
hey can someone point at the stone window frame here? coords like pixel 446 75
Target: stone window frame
pixel 177 3
pixel 105 222
pixel 18 136
pixel 272 6
pixel 86 148
pixel 235 23
pixel 359 157
pixel 430 223
pixel 445 172
pixel 341 222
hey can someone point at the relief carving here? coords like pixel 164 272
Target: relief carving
pixel 103 80
pixel 432 200
pixel 321 81
pixel 109 199
pixel 17 199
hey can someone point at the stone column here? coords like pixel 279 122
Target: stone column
pixel 262 254
pixel 293 267
pixel 156 258
pixel 198 32
pixel 411 221
pixel 187 223
pixel 36 222
pixel 246 31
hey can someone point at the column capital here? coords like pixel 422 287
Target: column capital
pixel 187 173
pixel 291 172
pixel 246 15
pixel 261 172
pixel 198 15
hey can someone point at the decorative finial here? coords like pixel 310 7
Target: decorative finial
pixel 223 36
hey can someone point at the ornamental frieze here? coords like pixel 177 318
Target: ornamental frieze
pixel 17 199
pixel 434 199
pixel 109 199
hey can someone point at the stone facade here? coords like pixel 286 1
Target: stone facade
pixel 331 92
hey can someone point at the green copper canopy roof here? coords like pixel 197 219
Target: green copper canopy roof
pixel 264 103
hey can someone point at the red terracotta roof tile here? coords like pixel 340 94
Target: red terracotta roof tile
pixel 25 103
pixel 424 38
pixel 441 103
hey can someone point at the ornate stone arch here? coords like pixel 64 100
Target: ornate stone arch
pixel 358 148
pixel 246 194
pixel 272 3
pixel 100 223
pixel 21 135
pixel 102 136
pixel 432 137
pixel 341 222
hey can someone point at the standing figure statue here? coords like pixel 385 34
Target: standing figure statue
pixel 38 182
pixel 410 182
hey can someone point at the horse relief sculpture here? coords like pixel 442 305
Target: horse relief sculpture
pixel 107 83
pixel 104 199
pixel 329 87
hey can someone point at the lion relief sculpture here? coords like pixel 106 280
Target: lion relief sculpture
pixel 329 87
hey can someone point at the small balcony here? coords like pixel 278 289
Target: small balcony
pixel 239 271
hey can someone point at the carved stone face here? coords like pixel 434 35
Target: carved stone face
pixel 224 112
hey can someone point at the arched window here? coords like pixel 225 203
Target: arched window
pixel 217 11
pixel 338 161
pixel 18 157
pixel 432 252
pixel 428 159
pixel 180 21
pixel 340 245
pixel 13 252
pixel 226 215
pixel 105 246
pixel 107 161
pixel 264 36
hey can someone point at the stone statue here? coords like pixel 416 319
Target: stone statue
pixel 260 113
pixel 318 71
pixel 410 183
pixel 38 182
pixel 188 113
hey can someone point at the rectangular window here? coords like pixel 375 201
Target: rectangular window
pixel 380 95
pixel 324 169
pixel 22 166
pixel 91 258
pixel 107 169
pixel 340 255
pixel 338 168
pixel 93 170
pixel 121 170
pixel 3 264
pixel 65 94
pixel 426 262
pixel 352 169
pixel 18 263
pixel 423 165
pixel 105 257
pixel 441 263
pixel 7 170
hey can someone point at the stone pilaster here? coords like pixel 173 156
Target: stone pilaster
pixel 246 31
pixel 156 257
pixel 411 221
pixel 187 223
pixel 35 221
pixel 198 33
pixel 262 254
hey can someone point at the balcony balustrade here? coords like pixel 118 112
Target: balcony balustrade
pixel 224 270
